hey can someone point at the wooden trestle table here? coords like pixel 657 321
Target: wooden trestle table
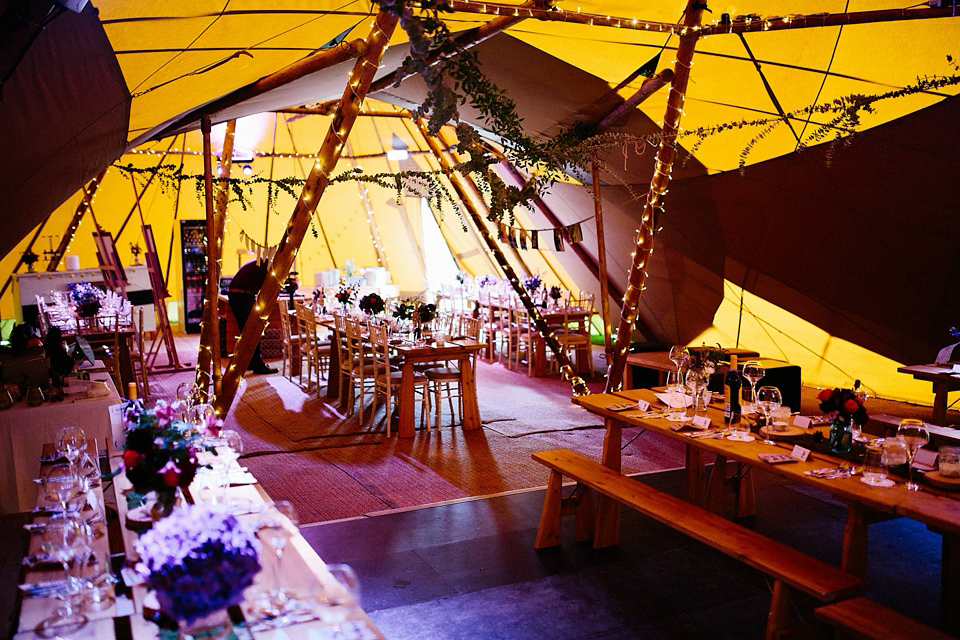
pixel 865 505
pixel 944 381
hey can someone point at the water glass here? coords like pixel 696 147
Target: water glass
pixel 337 599
pixel 780 418
pixel 948 461
pixel 874 468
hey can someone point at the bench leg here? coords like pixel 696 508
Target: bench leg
pixel 779 617
pixel 696 476
pixel 607 527
pixel 746 497
pixel 548 535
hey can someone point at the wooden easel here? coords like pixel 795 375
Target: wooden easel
pixel 114 277
pixel 164 334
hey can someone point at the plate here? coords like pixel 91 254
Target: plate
pixel 937 479
pixel 789 432
pixel 741 438
pixel 887 482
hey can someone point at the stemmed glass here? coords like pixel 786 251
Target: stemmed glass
pixel 277 524
pixel 698 382
pixel 754 372
pixel 230 450
pixel 63 538
pixel 679 355
pixel 914 434
pixel 71 443
pixel 768 399
pixel 336 601
pixel 62 483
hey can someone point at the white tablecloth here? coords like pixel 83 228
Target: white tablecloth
pixel 24 430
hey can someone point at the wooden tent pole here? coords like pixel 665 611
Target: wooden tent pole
pixel 566 369
pixel 88 192
pixel 208 357
pixel 602 259
pixel 327 157
pixel 654 204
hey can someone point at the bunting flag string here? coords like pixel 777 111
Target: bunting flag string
pixel 517 237
pixel 256 247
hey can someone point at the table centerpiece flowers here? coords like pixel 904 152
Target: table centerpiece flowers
pixel 160 453
pixel 487 281
pixel 198 561
pixel 424 314
pixel 532 283
pixel 345 295
pixel 86 297
pixel 844 408
pixel 371 304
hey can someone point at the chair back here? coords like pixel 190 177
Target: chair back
pixel 342 342
pixel 470 327
pixel 381 348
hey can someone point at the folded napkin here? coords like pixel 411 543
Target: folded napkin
pixel 674 399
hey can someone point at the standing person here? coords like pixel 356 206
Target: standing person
pixel 242 296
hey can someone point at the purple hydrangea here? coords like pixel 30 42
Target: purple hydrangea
pixel 198 560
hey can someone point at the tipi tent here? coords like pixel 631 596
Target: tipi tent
pixel 849 245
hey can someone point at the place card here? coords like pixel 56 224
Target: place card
pixel 943 357
pixel 643 405
pixel 803 422
pixel 800 453
pixel 621 406
pixel 925 460
pixel 702 422
pixel 776 458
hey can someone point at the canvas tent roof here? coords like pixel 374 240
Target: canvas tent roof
pixel 887 195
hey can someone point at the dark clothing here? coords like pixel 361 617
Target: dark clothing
pixel 242 296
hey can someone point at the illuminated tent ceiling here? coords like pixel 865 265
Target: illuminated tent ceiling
pixel 871 231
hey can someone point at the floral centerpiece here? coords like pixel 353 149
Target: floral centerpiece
pixel 555 293
pixel 86 297
pixel 160 453
pixel 198 561
pixel 371 304
pixel 487 281
pixel 532 283
pixel 425 313
pixel 404 309
pixel 345 295
pixel 29 258
pixel 843 407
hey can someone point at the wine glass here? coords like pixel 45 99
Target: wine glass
pixel 753 371
pixel 697 381
pixel 277 523
pixel 679 355
pixel 62 483
pixel 71 443
pixel 63 539
pixel 337 599
pixel 768 399
pixel 914 434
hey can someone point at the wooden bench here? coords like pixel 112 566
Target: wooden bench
pixel 789 568
pixel 862 618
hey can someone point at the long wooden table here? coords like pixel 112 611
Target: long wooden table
pixel 865 504
pixel 302 569
pixel 943 383
pixel 462 350
pixel 555 317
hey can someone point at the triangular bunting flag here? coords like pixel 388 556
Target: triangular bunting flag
pixel 503 233
pixel 513 237
pixel 534 239
pixel 558 239
pixel 523 239
pixel 575 233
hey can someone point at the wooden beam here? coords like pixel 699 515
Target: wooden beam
pixel 85 202
pixel 828 20
pixel 311 64
pixel 340 127
pixel 464 40
pixel 602 258
pixel 208 357
pixel 647 89
pixel 654 204
pixel 566 369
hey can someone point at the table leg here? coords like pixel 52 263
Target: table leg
pixel 607 523
pixel 407 428
pixel 940 399
pixel 696 476
pixel 471 410
pixel 539 355
pixel 854 557
pixel 333 373
pixel 746 496
pixel 717 488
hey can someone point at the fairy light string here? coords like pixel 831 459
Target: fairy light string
pixel 663 168
pixel 340 125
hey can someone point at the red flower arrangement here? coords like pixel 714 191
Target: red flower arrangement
pixel 844 404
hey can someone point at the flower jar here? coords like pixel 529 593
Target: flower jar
pixel 841 435
pixel 88 309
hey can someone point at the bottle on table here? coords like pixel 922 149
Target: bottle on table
pixel 731 393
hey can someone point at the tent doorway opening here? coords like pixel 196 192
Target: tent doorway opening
pixel 439 263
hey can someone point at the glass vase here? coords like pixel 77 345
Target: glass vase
pixel 841 435
pixel 212 626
